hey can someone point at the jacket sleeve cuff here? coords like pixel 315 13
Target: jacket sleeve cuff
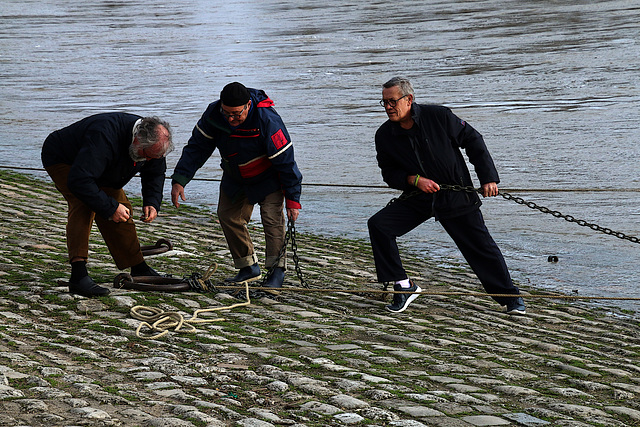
pixel 109 211
pixel 180 179
pixel 290 204
pixel 153 204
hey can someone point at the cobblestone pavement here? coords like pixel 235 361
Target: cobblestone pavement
pixel 303 358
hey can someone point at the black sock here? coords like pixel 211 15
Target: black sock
pixel 78 271
pixel 141 269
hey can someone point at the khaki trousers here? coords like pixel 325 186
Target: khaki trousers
pixel 234 217
pixel 121 237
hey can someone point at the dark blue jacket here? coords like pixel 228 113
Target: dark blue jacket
pixel 97 148
pixel 439 137
pixel 257 156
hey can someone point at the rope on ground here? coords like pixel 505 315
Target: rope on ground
pixel 466 294
pixel 165 320
pixel 200 283
pixel 204 284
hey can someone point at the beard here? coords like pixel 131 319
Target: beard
pixel 134 154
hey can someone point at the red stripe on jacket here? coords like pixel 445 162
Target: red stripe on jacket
pixel 291 204
pixel 245 133
pixel 254 167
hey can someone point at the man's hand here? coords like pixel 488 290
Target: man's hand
pixel 177 190
pixel 424 184
pixel 292 214
pixel 490 189
pixel 121 214
pixel 149 213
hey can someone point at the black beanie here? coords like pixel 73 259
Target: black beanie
pixel 234 95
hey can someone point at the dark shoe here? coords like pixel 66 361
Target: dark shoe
pixel 275 279
pixel 87 288
pixel 515 306
pixel 246 274
pixel 149 272
pixel 402 301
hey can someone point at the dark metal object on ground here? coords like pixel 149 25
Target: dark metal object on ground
pixel 161 246
pixel 150 283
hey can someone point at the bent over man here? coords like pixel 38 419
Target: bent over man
pixel 89 162
pixel 418 150
pixel 258 167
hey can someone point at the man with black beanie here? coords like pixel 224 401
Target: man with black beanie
pixel 258 166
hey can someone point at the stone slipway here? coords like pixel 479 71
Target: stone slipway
pixel 298 359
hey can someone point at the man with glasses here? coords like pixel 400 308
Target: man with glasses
pixel 418 150
pixel 89 162
pixel 258 167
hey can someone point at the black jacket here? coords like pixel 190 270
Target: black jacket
pixel 438 137
pixel 97 148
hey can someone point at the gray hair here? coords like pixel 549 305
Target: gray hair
pixel 403 83
pixel 148 133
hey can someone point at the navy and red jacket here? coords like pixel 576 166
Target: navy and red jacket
pixel 257 156
pixel 433 150
pixel 97 149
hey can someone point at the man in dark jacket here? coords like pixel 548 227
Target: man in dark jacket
pixel 418 149
pixel 258 167
pixel 89 162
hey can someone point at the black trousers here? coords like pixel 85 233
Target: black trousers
pixel 469 233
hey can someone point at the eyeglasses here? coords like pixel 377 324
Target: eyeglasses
pixel 233 116
pixel 391 102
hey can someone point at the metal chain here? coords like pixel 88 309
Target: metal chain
pixel 290 235
pixel 294 248
pixel 199 283
pixel 532 205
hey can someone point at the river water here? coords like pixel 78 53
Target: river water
pixel 552 85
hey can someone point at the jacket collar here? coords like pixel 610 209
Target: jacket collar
pixel 136 126
pixel 415 115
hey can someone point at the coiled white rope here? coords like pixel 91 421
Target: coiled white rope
pixel 160 321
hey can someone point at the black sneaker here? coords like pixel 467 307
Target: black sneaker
pixel 516 307
pixel 87 288
pixel 246 274
pixel 402 301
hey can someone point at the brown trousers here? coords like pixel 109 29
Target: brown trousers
pixel 121 237
pixel 234 217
